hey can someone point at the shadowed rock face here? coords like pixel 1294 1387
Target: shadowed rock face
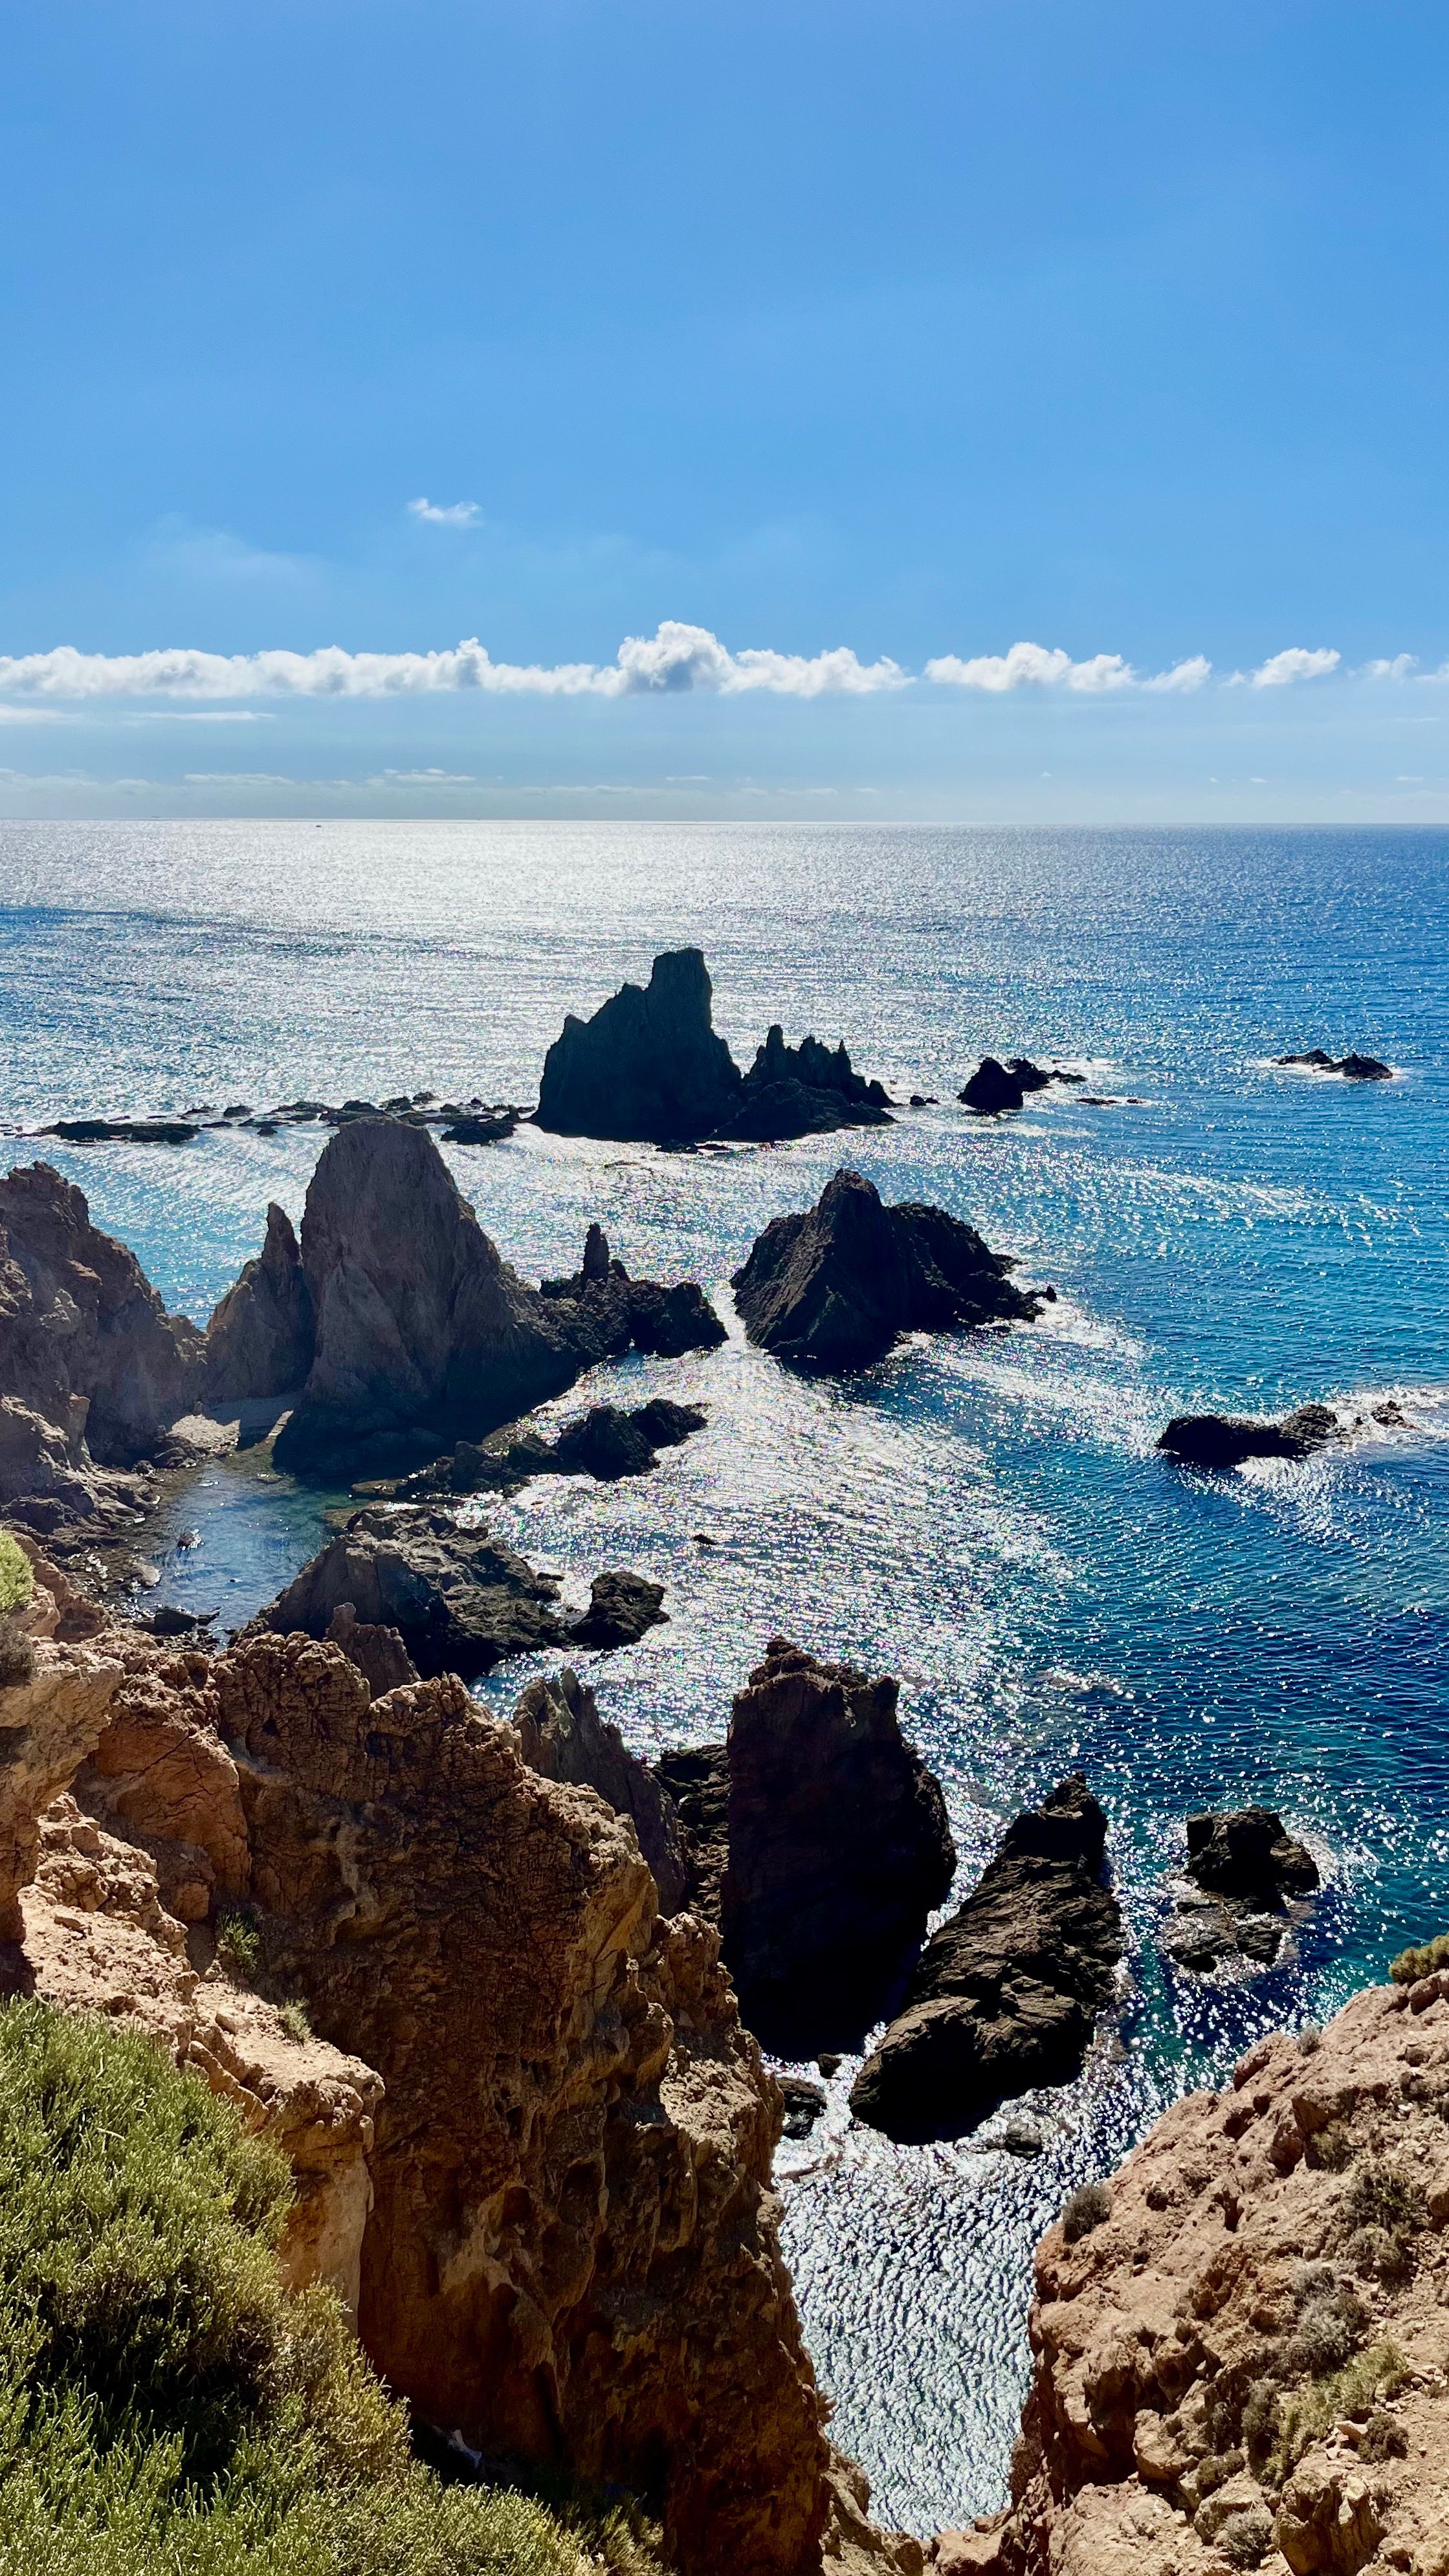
pixel 806 1090
pixel 647 1067
pixel 838 1851
pixel 419 1321
pixel 261 1341
pixel 564 1738
pixel 1249 1855
pixel 1217 1441
pixel 1004 1997
pixel 86 1345
pixel 833 1288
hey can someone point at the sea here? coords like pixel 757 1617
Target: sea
pixel 985 1516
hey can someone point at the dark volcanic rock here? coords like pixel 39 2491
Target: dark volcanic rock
pixel 834 1288
pixel 807 1090
pixel 804 2101
pixel 648 1065
pixel 87 1350
pixel 261 1339
pixel 563 1736
pixel 1221 1440
pixel 459 1602
pixel 838 1851
pixel 636 1314
pixel 1248 1868
pixel 1005 1996
pixel 606 1442
pixel 122 1131
pixel 1356 1068
pixel 622 1608
pixel 991 1088
pixel 697 1781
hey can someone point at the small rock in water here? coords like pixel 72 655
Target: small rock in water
pixel 804 2102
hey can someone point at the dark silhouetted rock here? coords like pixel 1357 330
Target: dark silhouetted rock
pixel 804 2101
pixel 87 1350
pixel 563 1736
pixel 697 1782
pixel 807 1090
pixel 647 1067
pixel 606 1442
pixel 833 1288
pixel 468 1128
pixel 1246 1868
pixel 1005 1995
pixel 624 1314
pixel 1222 1440
pixel 1355 1068
pixel 260 1341
pixel 122 1131
pixel 991 1089
pixel 839 1849
pixel 622 1609
pixel 1039 1077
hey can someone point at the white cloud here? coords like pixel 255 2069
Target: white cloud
pixel 1297 663
pixel 30 715
pixel 446 514
pixel 676 658
pixel 422 778
pixel 1183 676
pixel 1037 666
pixel 1398 668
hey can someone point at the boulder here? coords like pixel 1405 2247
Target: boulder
pixel 647 1067
pixel 1355 1068
pixel 1005 1995
pixel 85 1342
pixel 834 1288
pixel 1217 1441
pixel 1249 1856
pixel 564 1738
pixel 992 1088
pixel 622 1608
pixel 261 1340
pixel 839 1849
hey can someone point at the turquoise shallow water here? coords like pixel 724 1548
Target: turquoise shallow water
pixel 985 1517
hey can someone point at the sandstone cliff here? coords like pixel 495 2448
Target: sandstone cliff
pixel 1241 2344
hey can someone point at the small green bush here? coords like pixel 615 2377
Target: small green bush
pixel 1378 2195
pixel 294 2020
pixel 1411 1965
pixel 1383 2438
pixel 1086 2209
pixel 16 1580
pixel 1301 2417
pixel 166 2409
pixel 238 1945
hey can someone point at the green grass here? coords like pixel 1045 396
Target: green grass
pixel 16 1580
pixel 166 2408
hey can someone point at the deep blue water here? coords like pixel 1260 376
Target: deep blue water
pixel 985 1517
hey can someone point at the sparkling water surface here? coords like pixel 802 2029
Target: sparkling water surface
pixel 984 1516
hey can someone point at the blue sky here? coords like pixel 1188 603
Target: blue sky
pixel 903 333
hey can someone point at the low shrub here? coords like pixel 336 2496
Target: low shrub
pixel 1383 2438
pixel 1244 2538
pixel 1411 1965
pixel 1086 2209
pixel 238 1945
pixel 164 2404
pixel 1379 2195
pixel 1303 2415
pixel 16 1580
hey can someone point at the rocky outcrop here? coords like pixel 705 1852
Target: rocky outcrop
pixel 995 1086
pixel 648 1067
pixel 1006 1994
pixel 839 1849
pixel 572 2253
pixel 562 1735
pixel 92 1368
pixel 808 1090
pixel 1355 1068
pixel 624 1314
pixel 261 1340
pixel 834 1288
pixel 696 1780
pixel 1240 2343
pixel 609 1442
pixel 1246 1869
pixel 623 1607
pixel 1217 1441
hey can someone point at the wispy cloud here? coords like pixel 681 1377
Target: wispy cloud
pixel 1401 666
pixel 30 715
pixel 1298 663
pixel 1038 666
pixel 446 514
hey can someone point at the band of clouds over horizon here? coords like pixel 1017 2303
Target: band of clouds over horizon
pixel 677 659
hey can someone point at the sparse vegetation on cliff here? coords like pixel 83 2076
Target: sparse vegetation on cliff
pixel 163 2401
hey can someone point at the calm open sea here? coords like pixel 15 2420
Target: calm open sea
pixel 986 1518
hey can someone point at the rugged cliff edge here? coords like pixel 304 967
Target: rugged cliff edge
pixel 533 2141
pixel 1241 2343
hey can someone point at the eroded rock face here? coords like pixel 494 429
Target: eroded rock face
pixel 572 2253
pixel 49 1722
pixel 1244 2363
pixel 1006 1994
pixel 262 1338
pixel 562 1735
pixel 419 1321
pixel 457 1601
pixel 834 1288
pixel 807 1090
pixel 648 1067
pixel 86 1346
pixel 624 1314
pixel 839 1849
